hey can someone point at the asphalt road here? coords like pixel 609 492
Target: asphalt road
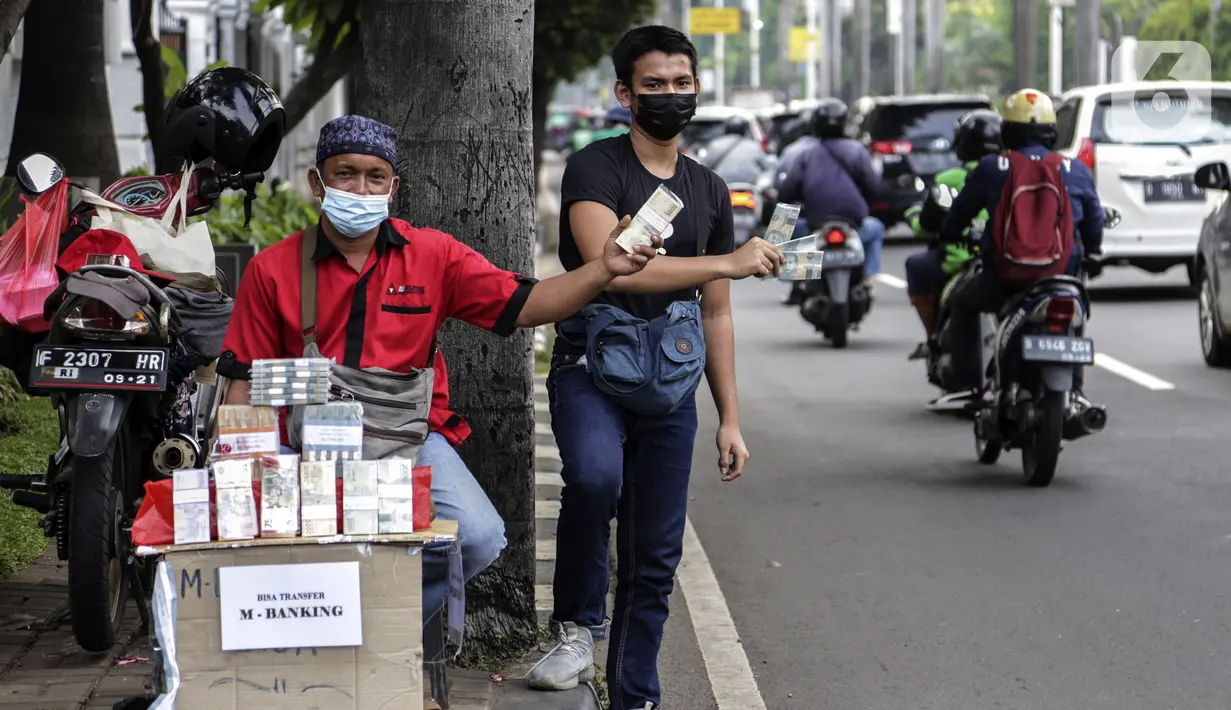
pixel 869 562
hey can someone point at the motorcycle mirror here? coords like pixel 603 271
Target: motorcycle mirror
pixel 39 172
pixel 1111 217
pixel 1213 176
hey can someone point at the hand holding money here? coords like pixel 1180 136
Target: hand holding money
pixel 620 262
pixel 756 258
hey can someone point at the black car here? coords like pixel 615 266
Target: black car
pixel 911 139
pixel 1213 270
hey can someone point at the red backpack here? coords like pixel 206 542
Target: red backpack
pixel 1033 228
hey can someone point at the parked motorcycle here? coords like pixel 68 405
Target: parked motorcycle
pixel 1038 347
pixel 133 401
pixel 838 301
pixel 746 206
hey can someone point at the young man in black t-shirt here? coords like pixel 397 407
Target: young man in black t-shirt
pixel 614 462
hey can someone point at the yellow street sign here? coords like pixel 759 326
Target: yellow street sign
pixel 797 44
pixel 714 20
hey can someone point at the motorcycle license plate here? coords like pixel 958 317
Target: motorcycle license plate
pixel 1057 348
pixel 841 258
pixel 102 367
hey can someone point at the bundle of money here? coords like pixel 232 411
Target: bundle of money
pixel 651 220
pixel 332 432
pixel 801 266
pixel 280 496
pixel 236 507
pixel 246 431
pixel 318 504
pixel 360 482
pixel 782 224
pixel 396 492
pixel 288 382
pixel 190 497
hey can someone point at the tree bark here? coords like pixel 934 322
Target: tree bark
pixel 454 80
pixel 149 55
pixel 11 12
pixel 63 108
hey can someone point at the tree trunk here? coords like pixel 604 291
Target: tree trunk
pixel 63 108
pixel 465 144
pixel 153 97
pixel 11 12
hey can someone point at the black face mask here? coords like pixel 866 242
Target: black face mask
pixel 663 116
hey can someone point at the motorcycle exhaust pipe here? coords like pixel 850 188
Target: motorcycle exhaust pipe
pixel 1089 421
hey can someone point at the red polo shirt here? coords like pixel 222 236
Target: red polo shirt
pixel 387 316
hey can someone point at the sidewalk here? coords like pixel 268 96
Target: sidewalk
pixel 41 667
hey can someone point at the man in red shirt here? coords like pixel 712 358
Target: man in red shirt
pixel 383 288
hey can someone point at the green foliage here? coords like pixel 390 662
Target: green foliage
pixel 1189 20
pixel 274 217
pixel 8 196
pixel 571 36
pixel 315 16
pixel 139 171
pixel 174 75
pixel 30 434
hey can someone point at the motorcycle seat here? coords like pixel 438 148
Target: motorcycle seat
pixel 1052 284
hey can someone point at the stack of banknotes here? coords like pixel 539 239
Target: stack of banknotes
pixel 288 382
pixel 360 506
pixel 318 498
pixel 236 505
pixel 651 220
pixel 802 260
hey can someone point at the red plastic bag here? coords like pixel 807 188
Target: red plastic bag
pixel 155 522
pixel 28 259
pixel 422 477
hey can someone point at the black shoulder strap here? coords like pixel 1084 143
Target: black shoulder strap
pixel 701 196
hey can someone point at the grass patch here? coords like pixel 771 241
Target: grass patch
pixel 30 434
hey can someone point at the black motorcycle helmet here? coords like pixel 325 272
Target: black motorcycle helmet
pixel 829 119
pixel 228 114
pixel 977 135
pixel 735 126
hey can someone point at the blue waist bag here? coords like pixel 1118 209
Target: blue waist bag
pixel 649 368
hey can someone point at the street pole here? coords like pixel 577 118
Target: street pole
pixel 754 43
pixel 910 42
pixel 720 65
pixel 1215 8
pixel 893 27
pixel 686 17
pixel 824 51
pixel 1088 30
pixel 934 26
pixel 1025 47
pixel 863 48
pixel 831 46
pixel 1055 49
pixel 810 68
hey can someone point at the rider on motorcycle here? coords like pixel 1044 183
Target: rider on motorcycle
pixel 734 155
pixel 977 135
pixel 1029 128
pixel 835 179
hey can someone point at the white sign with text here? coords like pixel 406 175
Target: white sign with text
pixel 290 606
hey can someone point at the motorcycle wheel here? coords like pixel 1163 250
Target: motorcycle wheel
pixel 97 588
pixel 1041 453
pixel 839 324
pixel 988 450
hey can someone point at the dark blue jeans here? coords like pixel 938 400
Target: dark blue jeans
pixel 634 469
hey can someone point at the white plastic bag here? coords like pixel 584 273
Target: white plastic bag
pixel 185 249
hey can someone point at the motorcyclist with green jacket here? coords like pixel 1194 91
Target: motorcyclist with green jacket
pixel 977 135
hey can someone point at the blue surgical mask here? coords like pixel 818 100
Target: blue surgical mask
pixel 354 215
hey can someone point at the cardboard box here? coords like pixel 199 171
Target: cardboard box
pixel 386 671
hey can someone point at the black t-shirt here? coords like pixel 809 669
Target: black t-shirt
pixel 610 173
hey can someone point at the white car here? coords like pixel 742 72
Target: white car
pixel 1143 141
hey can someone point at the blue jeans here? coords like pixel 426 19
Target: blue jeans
pixel 458 497
pixel 925 274
pixel 871 232
pixel 618 465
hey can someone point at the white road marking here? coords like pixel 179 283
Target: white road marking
pixel 1131 373
pixel 730 674
pixel 890 280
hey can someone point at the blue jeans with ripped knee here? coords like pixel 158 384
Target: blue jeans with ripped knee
pixel 634 469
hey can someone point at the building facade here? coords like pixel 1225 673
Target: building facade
pixel 202 32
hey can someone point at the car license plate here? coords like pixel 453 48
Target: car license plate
pixel 1176 190
pixel 99 367
pixel 841 258
pixel 1057 348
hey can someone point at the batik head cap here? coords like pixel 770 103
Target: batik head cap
pixel 349 135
